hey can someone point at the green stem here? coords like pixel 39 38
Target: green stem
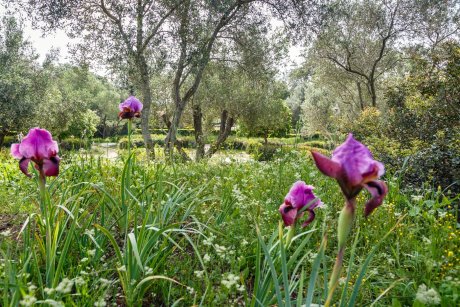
pixel 45 214
pixel 345 224
pixel 130 124
pixel 290 234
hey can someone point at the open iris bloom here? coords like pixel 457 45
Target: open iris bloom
pixel 354 168
pixel 39 147
pixel 130 108
pixel 299 199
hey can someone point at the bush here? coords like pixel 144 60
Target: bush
pixel 74 144
pixel 158 139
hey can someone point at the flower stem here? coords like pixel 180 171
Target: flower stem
pixel 345 224
pixel 46 216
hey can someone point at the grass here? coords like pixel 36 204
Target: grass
pixel 208 233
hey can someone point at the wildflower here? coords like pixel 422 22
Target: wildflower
pixel 49 291
pixel 354 168
pixel 230 281
pixel 28 300
pixel 5 233
pixel 100 303
pixel 300 195
pixel 104 282
pixel 427 296
pixel 79 281
pixel 91 252
pixel 39 147
pixel 53 303
pixel 130 108
pixel 65 286
pixel 206 258
pixel 191 290
pixel 199 274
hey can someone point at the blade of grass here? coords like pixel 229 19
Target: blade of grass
pixel 315 271
pixel 268 258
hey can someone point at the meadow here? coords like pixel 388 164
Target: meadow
pixel 130 232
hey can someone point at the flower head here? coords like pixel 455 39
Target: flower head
pixel 354 168
pixel 300 195
pixel 130 108
pixel 39 147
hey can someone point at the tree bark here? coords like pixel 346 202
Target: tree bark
pixel 372 92
pixel 226 124
pixel 147 101
pixel 198 126
pixel 177 143
pixel 2 138
pixel 360 93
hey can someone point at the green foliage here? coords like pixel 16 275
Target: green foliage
pixel 20 82
pixel 203 235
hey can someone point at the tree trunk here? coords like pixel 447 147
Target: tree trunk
pixel 226 124
pixel 265 137
pixel 2 138
pixel 372 92
pixel 171 137
pixel 177 143
pixel 360 93
pixel 147 101
pixel 198 126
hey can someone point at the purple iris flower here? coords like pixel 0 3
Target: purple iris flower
pixel 293 208
pixel 130 108
pixel 354 168
pixel 39 147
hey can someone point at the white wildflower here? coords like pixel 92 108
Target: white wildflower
pixel 104 282
pixel 53 303
pixel 199 274
pixel 148 271
pixel 206 258
pixel 65 286
pixel 191 290
pixel 6 233
pixel 100 303
pixel 49 291
pixel 79 281
pixel 91 252
pixel 427 296
pixel 28 300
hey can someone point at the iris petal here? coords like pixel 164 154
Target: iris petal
pixel 131 103
pixel 38 144
pixel 310 219
pixel 24 165
pixel 378 190
pixel 15 151
pixel 327 166
pixel 288 213
pixel 51 166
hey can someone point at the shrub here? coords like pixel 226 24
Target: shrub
pixel 74 144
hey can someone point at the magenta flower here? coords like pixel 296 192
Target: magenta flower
pixel 293 208
pixel 130 108
pixel 354 168
pixel 38 146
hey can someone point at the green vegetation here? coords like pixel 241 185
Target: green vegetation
pixel 207 230
pixel 173 197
